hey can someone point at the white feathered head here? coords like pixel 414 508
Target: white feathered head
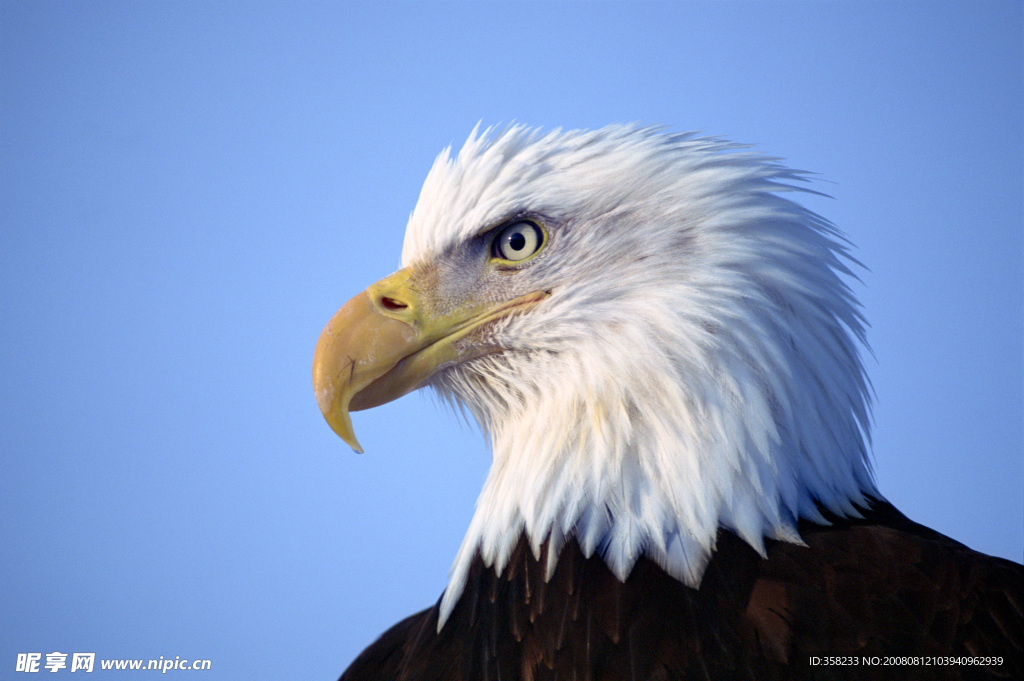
pixel 657 342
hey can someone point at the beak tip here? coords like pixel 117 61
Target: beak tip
pixel 352 442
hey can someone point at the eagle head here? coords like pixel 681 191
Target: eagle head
pixel 657 342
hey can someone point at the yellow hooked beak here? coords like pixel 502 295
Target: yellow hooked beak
pixel 386 342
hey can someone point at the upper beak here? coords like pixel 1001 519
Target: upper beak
pixel 385 342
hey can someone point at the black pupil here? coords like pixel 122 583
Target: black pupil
pixel 517 241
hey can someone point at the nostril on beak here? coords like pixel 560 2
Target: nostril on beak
pixel 392 304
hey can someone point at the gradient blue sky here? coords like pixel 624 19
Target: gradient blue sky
pixel 189 190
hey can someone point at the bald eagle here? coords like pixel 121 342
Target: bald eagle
pixel 665 355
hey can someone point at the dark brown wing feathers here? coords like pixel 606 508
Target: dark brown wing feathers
pixel 881 587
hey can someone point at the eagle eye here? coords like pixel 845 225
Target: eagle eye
pixel 517 241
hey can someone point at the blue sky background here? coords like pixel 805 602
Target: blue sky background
pixel 189 190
